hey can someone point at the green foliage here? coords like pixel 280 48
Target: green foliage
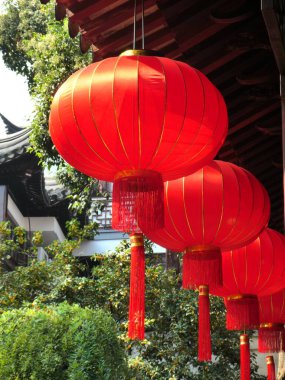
pixel 34 44
pixel 58 343
pixel 37 238
pixel 170 348
pixel 15 241
pixel 15 27
pixel 41 281
pixel 37 46
pixel 20 235
pixel 76 231
pixel 5 230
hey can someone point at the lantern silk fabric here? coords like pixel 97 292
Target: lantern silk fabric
pixel 272 308
pixel 136 120
pixel 219 206
pixel 255 269
pixel 138 113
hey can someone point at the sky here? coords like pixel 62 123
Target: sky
pixel 15 101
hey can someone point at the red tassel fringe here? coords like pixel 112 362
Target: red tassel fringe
pixel 204 338
pixel 137 288
pixel 270 368
pixel 202 267
pixel 244 357
pixel 137 201
pixel 271 338
pixel 242 312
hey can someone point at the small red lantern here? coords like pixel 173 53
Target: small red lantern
pixel 135 120
pixel 219 206
pixel 271 336
pixel 256 269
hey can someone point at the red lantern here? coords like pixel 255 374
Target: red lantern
pixel 270 368
pixel 136 120
pixel 256 269
pixel 271 337
pixel 219 206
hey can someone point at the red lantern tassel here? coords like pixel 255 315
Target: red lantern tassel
pixel 244 357
pixel 137 201
pixel 137 288
pixel 204 338
pixel 242 312
pixel 271 338
pixel 202 267
pixel 270 368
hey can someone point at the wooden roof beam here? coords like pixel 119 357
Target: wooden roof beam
pixel 274 33
pixel 90 9
pixel 117 20
pixel 254 116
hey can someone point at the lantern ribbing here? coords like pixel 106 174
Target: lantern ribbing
pixel 137 113
pixel 252 271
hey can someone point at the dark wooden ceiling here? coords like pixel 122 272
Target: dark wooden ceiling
pixel 227 40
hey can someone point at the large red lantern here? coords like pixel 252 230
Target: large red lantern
pixel 271 337
pixel 135 121
pixel 217 207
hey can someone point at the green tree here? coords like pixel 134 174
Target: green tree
pixel 60 343
pixel 170 348
pixel 37 46
pixel 16 241
pixel 39 279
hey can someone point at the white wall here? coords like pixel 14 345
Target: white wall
pixel 261 361
pixel 106 241
pixel 48 225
